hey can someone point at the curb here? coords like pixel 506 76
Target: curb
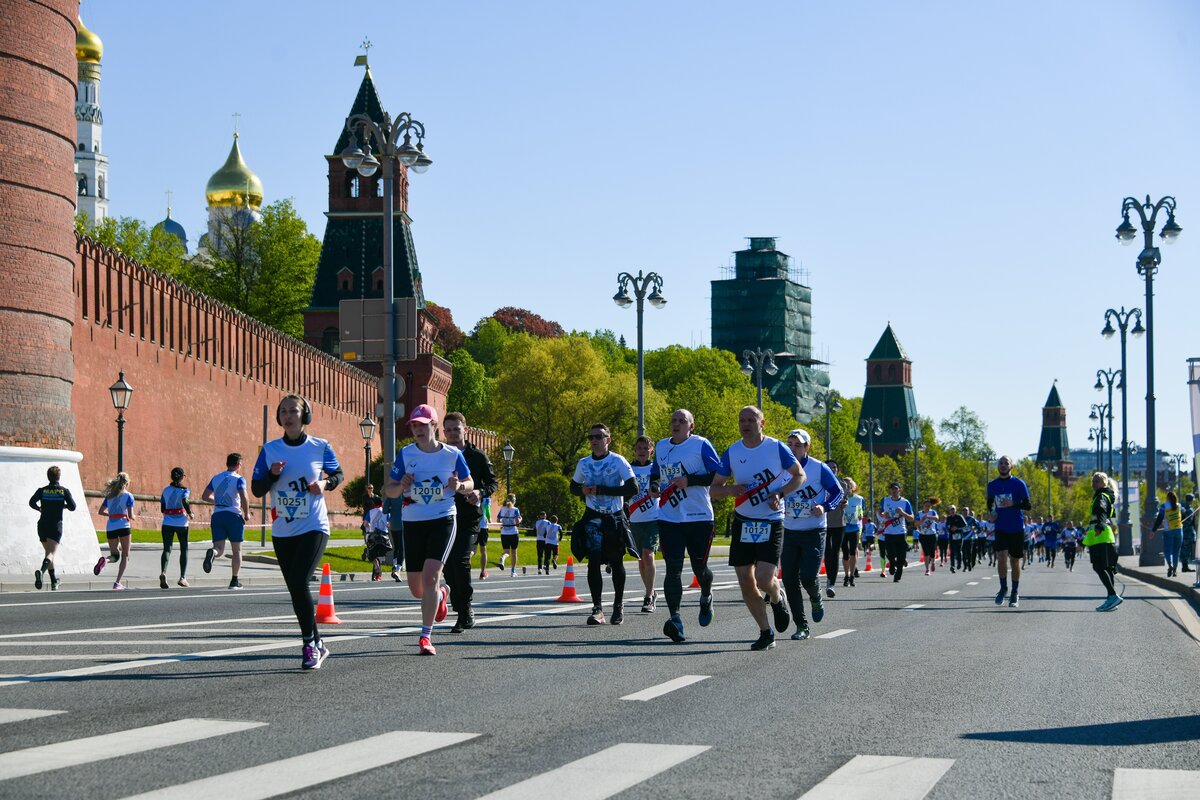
pixel 1189 593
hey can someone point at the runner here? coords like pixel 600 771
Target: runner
pixel 1171 513
pixel 688 464
pixel 804 522
pixel 481 538
pixel 393 509
pixel 290 469
pixel 468 505
pixel 378 538
pixel 176 511
pixel 989 537
pixel 1069 542
pixel 1008 499
pixel 1050 533
pixel 539 535
pixel 943 543
pixel 868 540
pixel 1188 549
pixel 759 471
pixel 231 506
pixel 955 524
pixel 853 516
pixel 118 507
pixel 833 537
pixel 643 516
pixel 928 536
pixel 510 537
pixel 895 514
pixel 605 481
pixel 1100 541
pixel 970 540
pixel 427 473
pixel 50 501
pixel 553 536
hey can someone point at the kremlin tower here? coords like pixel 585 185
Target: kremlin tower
pixel 91 165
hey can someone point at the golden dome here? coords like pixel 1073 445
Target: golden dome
pixel 234 184
pixel 88 47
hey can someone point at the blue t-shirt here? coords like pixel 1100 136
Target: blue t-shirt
pixel 118 509
pixel 1051 531
pixel 172 499
pixel 227 487
pixel 1008 497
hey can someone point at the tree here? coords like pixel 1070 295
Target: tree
pixel 471 390
pixel 264 269
pixel 153 247
pixel 964 431
pixel 550 492
pixel 449 337
pixel 487 342
pixel 520 320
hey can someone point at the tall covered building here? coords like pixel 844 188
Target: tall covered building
pixel 91 164
pixel 763 306
pixel 234 195
pixel 1053 450
pixel 889 397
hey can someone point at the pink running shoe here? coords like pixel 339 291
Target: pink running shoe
pixel 96 570
pixel 426 647
pixel 442 610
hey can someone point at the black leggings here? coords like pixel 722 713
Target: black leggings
pixel 897 553
pixel 169 532
pixel 676 539
pixel 956 554
pixel 298 557
pixel 1104 561
pixel 596 580
pixel 833 552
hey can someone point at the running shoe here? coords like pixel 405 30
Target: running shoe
pixel 1108 604
pixel 464 622
pixel 829 592
pixel 396 575
pixel 114 558
pixel 618 614
pixel 54 584
pixel 852 581
pixel 818 609
pixel 425 647
pixel 673 628
pixel 927 570
pixel 162 581
pixel 706 610
pixel 208 559
pixel 801 634
pixel 234 583
pixel 855 574
pixel 183 582
pixel 1014 601
pixel 315 654
pixel 782 617
pixel 482 575
pixel 443 599
pixel 117 585
pixel 37 579
pixel 503 559
pixel 513 574
pixel 1000 597
pixel 596 617
pixel 765 641
pixel 647 604
pixel 846 582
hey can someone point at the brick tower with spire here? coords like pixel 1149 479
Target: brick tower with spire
pixel 889 397
pixel 1053 450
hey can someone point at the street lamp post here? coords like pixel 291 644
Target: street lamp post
pixel 1097 435
pixel 830 401
pixel 1147 264
pixel 917 446
pixel 622 298
pixel 755 363
pixel 987 455
pixel 1050 471
pixel 121 393
pixel 367 428
pixel 1124 530
pixel 870 428
pixel 386 136
pixel 1109 377
pixel 508 451
pixel 1098 413
pixel 1177 460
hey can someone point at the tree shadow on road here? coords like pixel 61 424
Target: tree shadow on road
pixel 1133 732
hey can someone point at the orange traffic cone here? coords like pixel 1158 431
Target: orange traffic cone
pixel 326 613
pixel 868 567
pixel 568 593
pixel 822 572
pixel 695 582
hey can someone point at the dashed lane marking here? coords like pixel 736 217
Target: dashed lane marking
pixel 666 687
pixel 871 777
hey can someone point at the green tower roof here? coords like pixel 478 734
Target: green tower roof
pixel 1053 400
pixel 888 348
pixel 365 102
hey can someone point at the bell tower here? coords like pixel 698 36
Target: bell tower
pixel 1052 448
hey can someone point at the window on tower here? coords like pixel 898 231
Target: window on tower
pixel 351 185
pixel 891 373
pixel 379 188
pixel 100 186
pixel 878 373
pixel 83 189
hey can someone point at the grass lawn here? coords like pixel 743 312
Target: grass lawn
pixel 203 534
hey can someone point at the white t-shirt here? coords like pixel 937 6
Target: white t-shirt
pixel 296 511
pixel 226 488
pixel 647 506
pixel 798 506
pixel 508 516
pixel 553 531
pixel 539 528
pixel 695 455
pixel 611 471
pixel 428 497
pixel 890 508
pixel 763 470
pixel 927 520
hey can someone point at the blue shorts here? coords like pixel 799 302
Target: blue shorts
pixel 228 525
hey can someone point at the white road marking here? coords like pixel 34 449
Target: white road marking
pixel 952 591
pixel 134 642
pixel 972 583
pixel 987 577
pixel 913 607
pixel 666 688
pixel 835 634
pixel 83 656
pixel 602 774
pixel 22 714
pixel 1155 784
pixel 310 769
pixel 871 777
pixel 59 755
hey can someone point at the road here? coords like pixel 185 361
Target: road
pixel 923 688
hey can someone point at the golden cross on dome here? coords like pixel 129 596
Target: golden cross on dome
pixel 235 123
pixel 168 193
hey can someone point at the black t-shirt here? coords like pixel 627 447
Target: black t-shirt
pixel 50 500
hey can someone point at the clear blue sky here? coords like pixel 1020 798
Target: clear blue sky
pixel 956 168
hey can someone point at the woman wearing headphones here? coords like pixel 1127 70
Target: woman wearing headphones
pixel 290 469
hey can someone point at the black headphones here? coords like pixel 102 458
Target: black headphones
pixel 305 409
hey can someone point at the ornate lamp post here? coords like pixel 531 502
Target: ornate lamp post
pixel 622 298
pixel 1125 531
pixel 917 444
pixel 386 136
pixel 1177 460
pixel 870 428
pixel 1098 413
pixel 986 456
pixel 367 429
pixel 121 393
pixel 1097 435
pixel 830 401
pixel 1147 264
pixel 755 363
pixel 508 451
pixel 1109 377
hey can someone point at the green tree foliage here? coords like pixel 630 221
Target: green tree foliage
pixel 471 390
pixel 353 490
pixel 549 492
pixel 487 343
pixel 154 248
pixel 265 270
pixel 964 431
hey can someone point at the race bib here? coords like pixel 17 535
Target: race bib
pixel 756 532
pixel 799 507
pixel 956 536
pixel 427 493
pixel 291 505
pixel 1004 501
pixel 670 472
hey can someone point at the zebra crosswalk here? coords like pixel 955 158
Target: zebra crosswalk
pixel 604 773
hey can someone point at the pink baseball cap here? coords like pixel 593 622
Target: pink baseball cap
pixel 423 413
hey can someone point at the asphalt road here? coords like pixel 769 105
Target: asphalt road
pixel 957 698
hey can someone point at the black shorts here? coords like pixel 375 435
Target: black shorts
pixel 1013 543
pixel 509 541
pixel 1104 556
pixel 481 537
pixel 849 544
pixel 748 553
pixel 118 533
pixel 426 539
pixel 50 531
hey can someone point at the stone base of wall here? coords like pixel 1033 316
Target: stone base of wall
pixel 22 471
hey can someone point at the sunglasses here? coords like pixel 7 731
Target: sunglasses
pixel 597 436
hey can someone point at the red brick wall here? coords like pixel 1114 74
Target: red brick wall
pixel 201 374
pixel 37 205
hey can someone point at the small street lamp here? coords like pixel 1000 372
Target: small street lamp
pixel 1124 530
pixel 870 428
pixel 1109 378
pixel 622 299
pixel 1177 460
pixel 121 393
pixel 829 401
pixel 508 451
pixel 1098 413
pixel 1147 265
pixel 367 429
pixel 755 363
pixel 1097 435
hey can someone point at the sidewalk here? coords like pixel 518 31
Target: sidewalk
pixel 1182 584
